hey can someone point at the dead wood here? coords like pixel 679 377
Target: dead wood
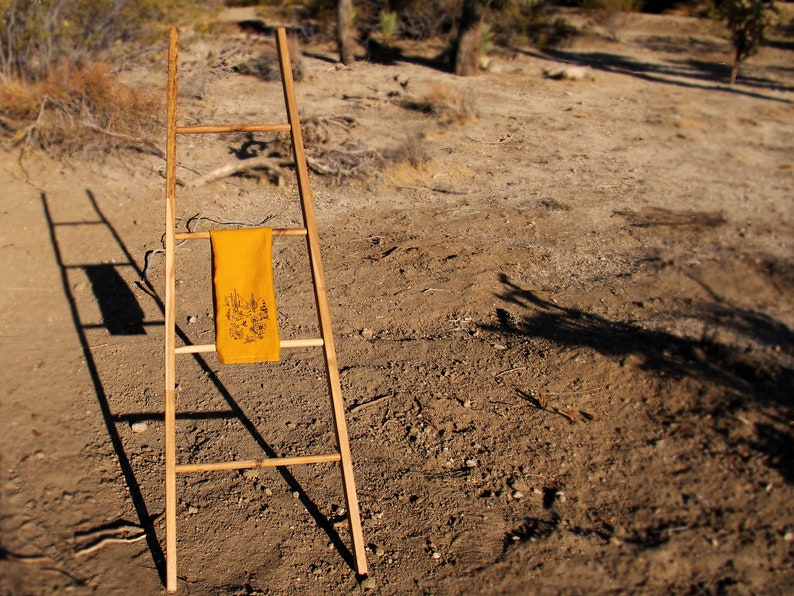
pixel 655 216
pixel 256 166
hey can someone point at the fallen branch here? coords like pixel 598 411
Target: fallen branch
pixel 112 534
pixel 367 404
pixel 108 540
pixel 442 189
pixel 247 166
pixel 657 216
pixel 142 145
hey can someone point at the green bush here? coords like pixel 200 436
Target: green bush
pixel 388 24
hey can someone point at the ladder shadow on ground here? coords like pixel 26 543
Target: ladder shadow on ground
pixel 122 315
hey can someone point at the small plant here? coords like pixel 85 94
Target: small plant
pixel 612 15
pixel 486 42
pixel 388 25
pixel 448 107
pixel 411 153
pixel 748 22
pixel 78 109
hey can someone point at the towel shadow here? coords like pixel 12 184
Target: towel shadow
pixel 120 311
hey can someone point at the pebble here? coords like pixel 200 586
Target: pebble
pixel 367 584
pixel 296 495
pixel 471 463
pixel 139 426
pixel 517 494
pixel 192 319
pixel 789 536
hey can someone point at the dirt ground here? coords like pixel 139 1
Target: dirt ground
pixel 564 334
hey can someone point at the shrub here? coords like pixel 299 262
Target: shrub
pixel 41 33
pixel 529 23
pixel 77 110
pixel 388 24
pixel 612 15
pixel 57 88
pixel 748 22
pixel 447 107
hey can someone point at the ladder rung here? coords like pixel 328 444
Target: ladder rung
pixel 270 462
pixel 234 128
pixel 205 235
pixel 285 343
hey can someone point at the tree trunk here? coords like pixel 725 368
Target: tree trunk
pixel 735 67
pixel 467 46
pixel 344 12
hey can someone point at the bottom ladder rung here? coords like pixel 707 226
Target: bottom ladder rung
pixel 269 462
pixel 312 342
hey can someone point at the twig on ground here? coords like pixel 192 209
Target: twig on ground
pixel 367 404
pixel 441 189
pixel 509 370
pixel 108 540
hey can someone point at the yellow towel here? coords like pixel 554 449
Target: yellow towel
pixel 245 303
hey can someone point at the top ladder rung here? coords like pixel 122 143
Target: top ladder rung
pixel 206 235
pixel 234 128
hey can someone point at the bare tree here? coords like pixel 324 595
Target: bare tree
pixel 467 45
pixel 344 17
pixel 469 39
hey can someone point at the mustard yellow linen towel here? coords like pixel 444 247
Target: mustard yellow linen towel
pixel 245 302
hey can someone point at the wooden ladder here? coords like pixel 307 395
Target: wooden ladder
pixel 325 341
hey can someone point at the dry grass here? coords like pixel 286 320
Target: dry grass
pixel 78 110
pixel 411 153
pixel 446 106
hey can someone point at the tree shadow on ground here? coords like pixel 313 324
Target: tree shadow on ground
pixel 693 74
pixel 746 377
pixel 388 55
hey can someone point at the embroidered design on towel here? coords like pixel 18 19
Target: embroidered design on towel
pixel 248 320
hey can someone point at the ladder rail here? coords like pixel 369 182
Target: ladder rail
pixel 321 300
pixel 170 321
